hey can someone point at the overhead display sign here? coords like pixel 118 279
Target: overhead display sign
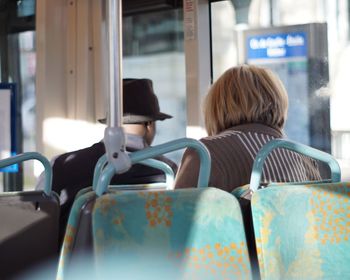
pixel 8 124
pixel 272 46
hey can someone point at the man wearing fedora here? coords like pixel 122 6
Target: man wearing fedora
pixel 74 171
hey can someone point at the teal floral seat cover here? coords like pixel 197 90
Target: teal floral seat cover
pixel 303 231
pixel 182 234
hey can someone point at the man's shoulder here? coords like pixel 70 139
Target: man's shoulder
pixel 96 150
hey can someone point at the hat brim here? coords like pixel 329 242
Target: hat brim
pixel 162 116
pixel 134 119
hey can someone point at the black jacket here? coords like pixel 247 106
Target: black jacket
pixel 74 171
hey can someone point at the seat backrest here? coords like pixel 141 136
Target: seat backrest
pixel 303 231
pixel 29 224
pixel 161 234
pixel 80 225
pixel 185 234
pixel 79 222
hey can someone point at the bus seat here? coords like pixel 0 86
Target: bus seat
pixel 303 231
pixel 78 235
pixel 68 197
pixel 86 201
pixel 77 240
pixel 81 213
pixel 188 234
pixel 29 224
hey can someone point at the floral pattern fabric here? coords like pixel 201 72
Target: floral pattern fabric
pixel 188 234
pixel 70 235
pixel 302 231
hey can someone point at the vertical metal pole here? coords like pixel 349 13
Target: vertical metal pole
pixel 115 56
pixel 114 138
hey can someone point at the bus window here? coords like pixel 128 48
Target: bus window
pixel 18 66
pixel 315 78
pixel 153 48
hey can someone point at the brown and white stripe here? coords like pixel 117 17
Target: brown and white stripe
pixel 233 153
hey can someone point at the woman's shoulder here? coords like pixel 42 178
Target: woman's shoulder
pixel 221 135
pixel 228 139
pixel 257 128
pixel 245 129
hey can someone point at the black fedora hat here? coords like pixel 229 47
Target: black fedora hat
pixel 140 104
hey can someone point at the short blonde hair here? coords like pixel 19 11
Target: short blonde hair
pixel 245 94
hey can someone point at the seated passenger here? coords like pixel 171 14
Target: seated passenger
pixel 244 109
pixel 74 171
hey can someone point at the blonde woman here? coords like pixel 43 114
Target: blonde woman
pixel 244 109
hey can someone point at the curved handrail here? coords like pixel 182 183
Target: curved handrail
pixel 151 152
pixel 29 156
pixel 102 161
pixel 168 171
pixel 296 147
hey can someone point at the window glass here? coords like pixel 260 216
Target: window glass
pixel 27 55
pixel 315 78
pixel 153 48
pixel 18 65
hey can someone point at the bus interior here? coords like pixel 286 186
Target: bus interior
pixel 55 84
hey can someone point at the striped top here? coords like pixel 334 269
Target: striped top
pixel 233 152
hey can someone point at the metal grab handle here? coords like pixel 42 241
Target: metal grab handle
pixel 29 156
pixel 296 147
pixel 204 156
pixel 169 173
pixel 101 163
